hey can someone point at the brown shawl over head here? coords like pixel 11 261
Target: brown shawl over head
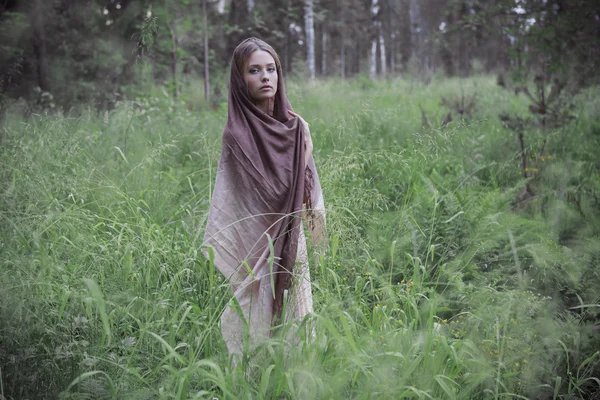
pixel 259 189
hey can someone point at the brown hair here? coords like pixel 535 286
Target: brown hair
pixel 242 53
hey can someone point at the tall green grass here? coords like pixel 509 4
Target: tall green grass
pixel 436 283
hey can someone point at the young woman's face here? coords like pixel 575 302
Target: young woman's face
pixel 260 76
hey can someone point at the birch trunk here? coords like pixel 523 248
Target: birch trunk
pixel 220 6
pixel 309 27
pixel 373 66
pixel 373 55
pixel 382 51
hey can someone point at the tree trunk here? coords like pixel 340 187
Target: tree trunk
pixel 206 72
pixel 382 54
pixel 174 65
pixel 462 51
pixel 390 33
pixel 342 32
pixel 239 18
pixel 405 33
pixel 309 27
pixel 39 45
pixel 373 59
pixel 220 6
pixel 342 59
pixel 357 54
pixel 415 27
pixel 393 54
pixel 324 52
pixel 374 35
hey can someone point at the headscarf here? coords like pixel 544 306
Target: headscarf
pixel 259 190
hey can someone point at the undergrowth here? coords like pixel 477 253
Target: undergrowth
pixel 437 283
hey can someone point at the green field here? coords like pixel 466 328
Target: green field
pixel 437 284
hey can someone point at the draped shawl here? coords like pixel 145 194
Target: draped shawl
pixel 260 188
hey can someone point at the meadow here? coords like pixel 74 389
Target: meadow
pixel 438 282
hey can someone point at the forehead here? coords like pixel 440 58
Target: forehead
pixel 260 57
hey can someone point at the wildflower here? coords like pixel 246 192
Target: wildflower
pixel 445 321
pixel 517 364
pixel 402 281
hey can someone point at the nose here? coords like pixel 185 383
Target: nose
pixel 264 76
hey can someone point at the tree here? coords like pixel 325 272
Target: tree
pixel 39 43
pixel 374 25
pixel 206 71
pixel 310 37
pixel 405 32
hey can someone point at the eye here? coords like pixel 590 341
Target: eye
pixel 271 69
pixel 253 70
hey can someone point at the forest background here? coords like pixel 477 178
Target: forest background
pixel 458 143
pixel 103 51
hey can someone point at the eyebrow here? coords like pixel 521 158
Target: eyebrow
pixel 258 65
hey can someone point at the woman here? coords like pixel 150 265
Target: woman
pixel 266 182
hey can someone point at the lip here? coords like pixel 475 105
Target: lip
pixel 265 87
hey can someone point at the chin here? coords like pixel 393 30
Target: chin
pixel 265 97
